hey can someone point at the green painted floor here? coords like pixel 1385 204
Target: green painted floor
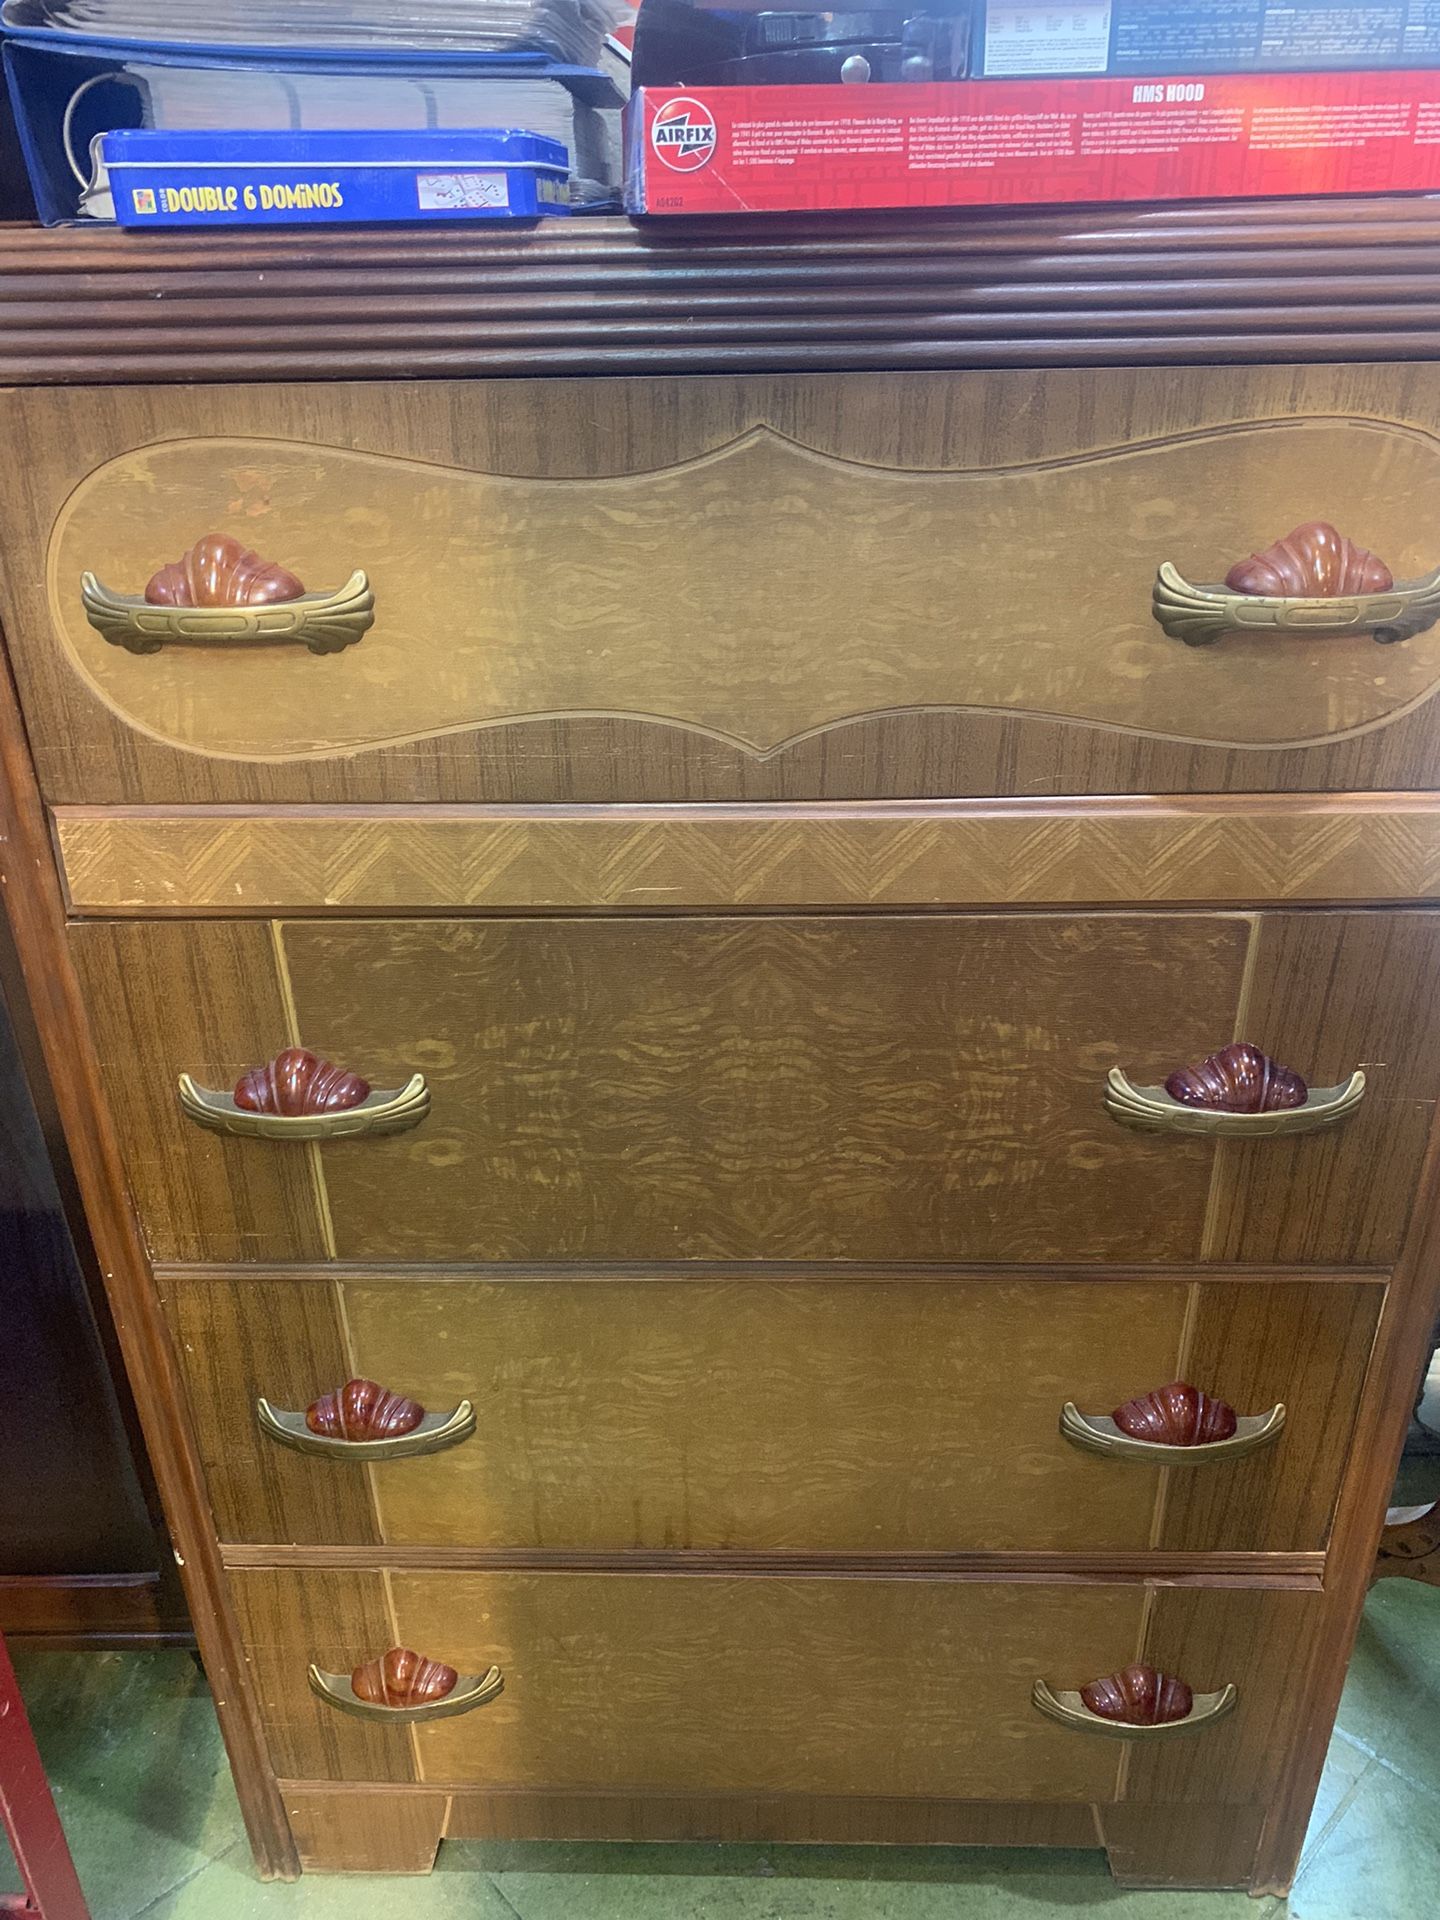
pixel 133 1752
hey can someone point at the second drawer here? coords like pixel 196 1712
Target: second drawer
pixel 817 1088
pixel 620 1413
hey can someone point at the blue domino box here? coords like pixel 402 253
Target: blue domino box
pixel 271 179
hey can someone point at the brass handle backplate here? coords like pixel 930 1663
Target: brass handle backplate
pixel 1098 1433
pixel 434 1433
pixel 1238 1093
pixel 219 594
pixel 1065 1706
pixel 297 1096
pixel 1314 581
pixel 1202 615
pixel 419 1689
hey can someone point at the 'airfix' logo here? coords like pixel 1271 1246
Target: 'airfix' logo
pixel 683 135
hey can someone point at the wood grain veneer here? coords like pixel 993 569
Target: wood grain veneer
pixel 367 1833
pixel 575 1043
pixel 1320 986
pixel 162 1003
pixel 864 574
pixel 720 1685
pixel 812 1089
pixel 1087 696
pixel 289 1345
pixel 1305 850
pixel 842 1089
pixel 776 1685
pixel 682 1415
pixel 1263 1643
pixel 1186 1846
pixel 1290 1341
pixel 337 1824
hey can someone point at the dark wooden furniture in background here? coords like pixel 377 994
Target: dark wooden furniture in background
pixel 752 861
pixel 84 1559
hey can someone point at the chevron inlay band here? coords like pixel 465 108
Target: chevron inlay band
pixel 1307 849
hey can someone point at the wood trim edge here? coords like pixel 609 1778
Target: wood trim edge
pixel 1182 284
pixel 760 1272
pixel 36 913
pixel 1288 1571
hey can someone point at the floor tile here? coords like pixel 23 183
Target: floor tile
pixel 1345 1767
pixel 228 1890
pixel 1380 1861
pixel 130 1743
pixel 1391 1703
pixel 825 1883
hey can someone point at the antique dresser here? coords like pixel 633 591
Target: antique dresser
pixel 698 922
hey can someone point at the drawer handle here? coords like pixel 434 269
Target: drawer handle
pixel 1239 1093
pixel 365 1421
pixel 221 594
pixel 1176 1425
pixel 1137 1703
pixel 403 1687
pixel 1313 581
pixel 298 1096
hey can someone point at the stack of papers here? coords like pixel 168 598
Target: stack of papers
pixel 209 99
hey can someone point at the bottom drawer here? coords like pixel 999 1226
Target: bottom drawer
pixel 775 1684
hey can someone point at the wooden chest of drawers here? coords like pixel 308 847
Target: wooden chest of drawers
pixel 757 831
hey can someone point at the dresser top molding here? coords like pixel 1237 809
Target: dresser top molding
pixel 1274 281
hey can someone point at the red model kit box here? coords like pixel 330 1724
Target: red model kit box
pixel 1030 142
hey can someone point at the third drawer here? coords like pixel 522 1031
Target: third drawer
pixel 615 1413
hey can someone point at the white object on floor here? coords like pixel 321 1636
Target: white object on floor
pixel 1406 1516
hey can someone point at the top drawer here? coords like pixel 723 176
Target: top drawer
pixel 867 586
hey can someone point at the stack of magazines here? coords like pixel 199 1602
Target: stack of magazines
pixel 572 31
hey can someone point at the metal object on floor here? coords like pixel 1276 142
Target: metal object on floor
pixel 1412 1551
pixel 28 1811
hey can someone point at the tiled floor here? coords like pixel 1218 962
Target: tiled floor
pixel 131 1744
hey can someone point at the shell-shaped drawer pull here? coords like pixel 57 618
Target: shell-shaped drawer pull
pixel 220 594
pixel 403 1687
pixel 364 1421
pixel 1137 1703
pixel 1313 581
pixel 298 1096
pixel 1238 1093
pixel 1178 1425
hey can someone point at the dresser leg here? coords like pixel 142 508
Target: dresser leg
pixel 1181 1846
pixel 366 1832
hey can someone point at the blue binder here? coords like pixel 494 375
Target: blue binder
pixel 299 179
